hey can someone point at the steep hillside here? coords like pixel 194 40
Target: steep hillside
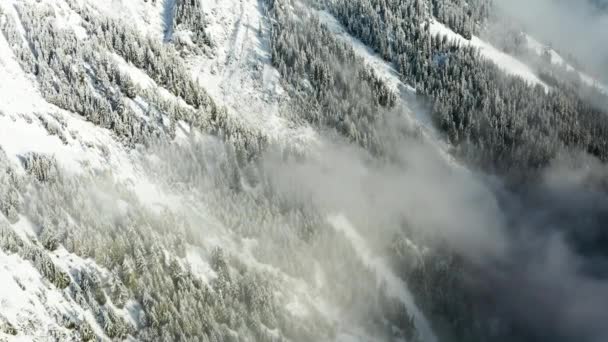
pixel 284 170
pixel 91 194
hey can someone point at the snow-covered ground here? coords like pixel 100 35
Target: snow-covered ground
pixel 86 146
pixel 237 73
pixel 21 131
pixel 26 302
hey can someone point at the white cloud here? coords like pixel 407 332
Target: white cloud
pixel 575 27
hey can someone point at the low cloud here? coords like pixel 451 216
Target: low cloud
pixel 532 246
pixel 577 27
pixel 555 282
pixel 418 186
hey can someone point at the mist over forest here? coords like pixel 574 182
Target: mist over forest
pixel 574 27
pixel 318 170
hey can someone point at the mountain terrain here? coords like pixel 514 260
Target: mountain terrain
pixel 297 170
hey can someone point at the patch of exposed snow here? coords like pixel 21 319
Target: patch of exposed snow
pixel 137 75
pixel 24 228
pixel 67 19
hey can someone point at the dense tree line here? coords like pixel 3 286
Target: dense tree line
pixel 465 17
pixel 496 121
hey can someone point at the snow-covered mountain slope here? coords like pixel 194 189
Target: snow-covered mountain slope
pixel 238 170
pixel 236 70
pixel 76 155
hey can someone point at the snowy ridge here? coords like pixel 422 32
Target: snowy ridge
pixel 505 62
pixel 558 60
pixel 385 70
pixel 161 213
pixel 539 49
